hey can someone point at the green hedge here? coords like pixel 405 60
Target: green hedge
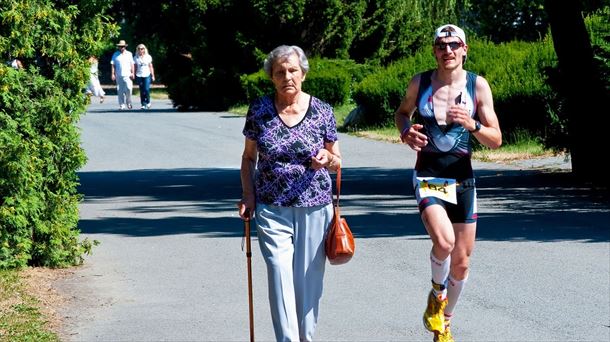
pixel 518 73
pixel 522 85
pixel 39 156
pixel 380 93
pixel 328 79
pixel 40 143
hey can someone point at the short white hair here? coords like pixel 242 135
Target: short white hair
pixel 285 51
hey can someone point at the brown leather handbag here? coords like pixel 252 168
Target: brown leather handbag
pixel 340 245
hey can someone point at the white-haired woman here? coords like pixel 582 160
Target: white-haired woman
pixel 145 74
pixel 290 147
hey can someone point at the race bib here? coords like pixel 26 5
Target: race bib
pixel 443 188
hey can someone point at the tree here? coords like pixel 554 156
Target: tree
pixel 205 45
pixel 580 85
pixel 503 21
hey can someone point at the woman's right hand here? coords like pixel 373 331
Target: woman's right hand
pixel 246 204
pixel 414 138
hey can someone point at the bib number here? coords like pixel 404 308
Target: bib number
pixel 443 188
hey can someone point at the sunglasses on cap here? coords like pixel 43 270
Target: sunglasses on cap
pixel 452 45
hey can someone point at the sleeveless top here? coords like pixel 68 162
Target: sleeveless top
pixel 449 149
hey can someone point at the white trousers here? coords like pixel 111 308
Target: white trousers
pixel 292 243
pixel 124 87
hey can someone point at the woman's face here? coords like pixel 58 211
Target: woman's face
pixel 287 75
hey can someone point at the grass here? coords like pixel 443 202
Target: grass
pixel 20 317
pixel 520 145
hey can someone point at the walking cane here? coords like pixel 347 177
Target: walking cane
pixel 249 257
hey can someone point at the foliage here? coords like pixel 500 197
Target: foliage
pixel 523 96
pixel 523 99
pixel 503 21
pixel 200 57
pixel 39 108
pixel 380 94
pixel 328 79
pixel 598 25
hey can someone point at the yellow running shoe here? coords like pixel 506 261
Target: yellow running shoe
pixel 445 336
pixel 434 318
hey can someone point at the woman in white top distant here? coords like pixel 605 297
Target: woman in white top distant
pixel 145 74
pixel 94 88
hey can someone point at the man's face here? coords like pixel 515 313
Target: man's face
pixel 449 52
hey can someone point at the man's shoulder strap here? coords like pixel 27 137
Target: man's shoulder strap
pixel 425 79
pixel 471 83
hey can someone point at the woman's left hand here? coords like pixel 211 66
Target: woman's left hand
pixel 321 160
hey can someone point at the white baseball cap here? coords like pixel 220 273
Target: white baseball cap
pixel 453 31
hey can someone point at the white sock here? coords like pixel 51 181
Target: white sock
pixel 440 272
pixel 454 289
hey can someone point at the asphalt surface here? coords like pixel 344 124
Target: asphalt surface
pixel 160 191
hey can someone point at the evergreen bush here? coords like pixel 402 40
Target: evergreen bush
pixel 328 79
pixel 39 108
pixel 518 73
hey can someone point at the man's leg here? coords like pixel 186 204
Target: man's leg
pixel 129 84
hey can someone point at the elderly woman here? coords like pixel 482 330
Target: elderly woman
pixel 293 137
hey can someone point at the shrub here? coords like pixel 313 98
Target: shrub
pixel 328 79
pixel 39 108
pixel 523 98
pixel 379 94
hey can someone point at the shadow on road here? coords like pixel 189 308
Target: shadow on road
pixel 515 205
pixel 136 109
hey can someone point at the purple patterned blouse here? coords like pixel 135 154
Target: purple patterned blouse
pixel 284 177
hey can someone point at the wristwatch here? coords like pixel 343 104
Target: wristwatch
pixel 477 127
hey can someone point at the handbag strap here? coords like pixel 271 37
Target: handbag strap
pixel 338 186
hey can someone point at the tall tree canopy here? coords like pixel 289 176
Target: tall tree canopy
pixel 203 47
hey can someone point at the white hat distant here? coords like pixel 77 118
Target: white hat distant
pixel 450 31
pixel 121 43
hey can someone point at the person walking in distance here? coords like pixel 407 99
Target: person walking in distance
pixel 290 147
pixel 94 88
pixel 453 105
pixel 145 74
pixel 123 72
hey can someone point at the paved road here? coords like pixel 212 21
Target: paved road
pixel 160 190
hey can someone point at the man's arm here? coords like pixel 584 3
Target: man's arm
pixel 112 73
pixel 489 134
pixel 409 133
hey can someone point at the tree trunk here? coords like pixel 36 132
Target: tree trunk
pixel 580 86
